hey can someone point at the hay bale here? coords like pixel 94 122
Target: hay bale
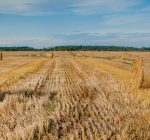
pixel 1 56
pixel 137 73
pixel 52 55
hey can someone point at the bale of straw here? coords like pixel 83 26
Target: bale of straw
pixel 137 73
pixel 52 55
pixel 1 56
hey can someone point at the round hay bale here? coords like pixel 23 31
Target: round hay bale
pixel 137 73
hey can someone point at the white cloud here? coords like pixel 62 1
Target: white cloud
pixel 25 7
pixel 123 39
pixel 131 19
pixel 82 7
pixel 37 42
pixel 128 40
pixel 88 7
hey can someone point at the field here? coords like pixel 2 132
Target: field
pixel 73 96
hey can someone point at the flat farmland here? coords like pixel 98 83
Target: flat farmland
pixel 76 95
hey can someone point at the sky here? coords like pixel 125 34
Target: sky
pixel 44 23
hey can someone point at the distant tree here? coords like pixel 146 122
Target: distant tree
pixel 76 48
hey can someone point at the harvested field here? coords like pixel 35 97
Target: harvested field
pixel 73 96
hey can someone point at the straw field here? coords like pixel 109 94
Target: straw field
pixel 75 96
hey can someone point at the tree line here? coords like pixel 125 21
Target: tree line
pixel 76 48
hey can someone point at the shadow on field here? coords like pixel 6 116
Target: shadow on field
pixel 146 82
pixel 27 94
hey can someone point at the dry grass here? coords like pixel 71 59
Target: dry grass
pixel 71 98
pixel 20 72
pixel 122 75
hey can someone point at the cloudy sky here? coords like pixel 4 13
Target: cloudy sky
pixel 43 23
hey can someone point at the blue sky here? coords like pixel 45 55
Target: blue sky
pixel 43 23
